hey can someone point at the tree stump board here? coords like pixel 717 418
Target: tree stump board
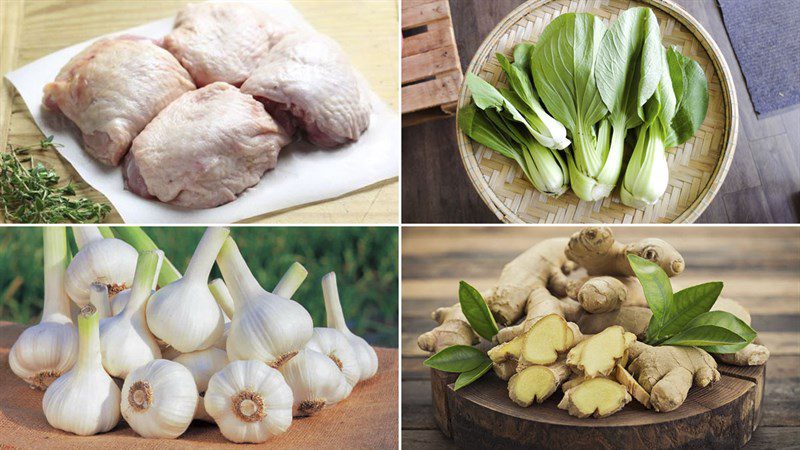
pixel 722 415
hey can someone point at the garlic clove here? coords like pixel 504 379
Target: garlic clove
pixel 45 351
pixel 159 399
pixel 203 364
pixel 334 344
pixel 265 326
pixel 315 381
pixel 125 341
pixel 367 358
pixel 184 313
pixel 249 401
pixel 108 261
pixel 85 400
pixel 119 301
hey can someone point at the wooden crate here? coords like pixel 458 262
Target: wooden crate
pixel 431 70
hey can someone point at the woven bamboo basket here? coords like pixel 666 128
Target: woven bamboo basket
pixel 697 168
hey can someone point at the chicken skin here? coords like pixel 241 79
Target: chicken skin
pixel 112 89
pixel 204 149
pixel 222 41
pixel 306 80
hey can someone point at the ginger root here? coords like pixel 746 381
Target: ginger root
pixel 636 390
pixel 598 355
pixel 596 250
pixel 667 372
pixel 597 397
pixel 602 294
pixel 540 305
pixel 537 269
pixel 536 383
pixel 546 340
pixel 505 369
pixel 634 319
pixel 453 329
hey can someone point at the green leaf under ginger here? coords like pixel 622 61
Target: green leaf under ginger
pixel 687 305
pixel 468 377
pixel 657 291
pixel 705 335
pixel 730 322
pixel 457 358
pixel 476 311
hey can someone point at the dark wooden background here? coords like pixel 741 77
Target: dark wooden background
pixel 762 186
pixel 759 266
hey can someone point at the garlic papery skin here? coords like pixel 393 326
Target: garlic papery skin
pixel 169 353
pixel 265 327
pixel 184 313
pixel 98 297
pixel 119 301
pixel 45 351
pixel 249 401
pixel 125 341
pixel 85 400
pixel 159 399
pixel 108 261
pixel 334 344
pixel 291 281
pixel 367 358
pixel 203 364
pixel 316 382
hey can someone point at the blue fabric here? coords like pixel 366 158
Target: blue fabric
pixel 765 35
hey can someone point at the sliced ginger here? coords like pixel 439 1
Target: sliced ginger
pixel 596 356
pixel 597 397
pixel 507 351
pixel 505 369
pixel 632 386
pixel 536 383
pixel 545 340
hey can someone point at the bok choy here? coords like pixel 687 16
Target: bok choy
pixel 494 121
pixel 671 116
pixel 562 64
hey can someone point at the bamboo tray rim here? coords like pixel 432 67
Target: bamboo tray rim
pixel 711 188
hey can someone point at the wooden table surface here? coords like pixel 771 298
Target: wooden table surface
pixel 762 186
pixel 367 29
pixel 759 266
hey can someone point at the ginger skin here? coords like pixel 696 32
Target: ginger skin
pixel 596 250
pixel 602 294
pixel 598 355
pixel 634 319
pixel 536 383
pixel 453 329
pixel 534 271
pixel 597 397
pixel 667 372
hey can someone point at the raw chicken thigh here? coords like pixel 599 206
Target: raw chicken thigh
pixel 113 88
pixel 307 79
pixel 222 41
pixel 204 149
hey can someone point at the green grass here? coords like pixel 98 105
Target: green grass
pixel 364 259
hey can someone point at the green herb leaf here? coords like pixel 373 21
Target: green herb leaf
pixel 468 377
pixel 657 290
pixel 705 335
pixel 730 322
pixel 687 305
pixel 457 358
pixel 477 311
pixel 29 191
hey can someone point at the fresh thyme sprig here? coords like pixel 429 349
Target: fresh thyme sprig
pixel 29 191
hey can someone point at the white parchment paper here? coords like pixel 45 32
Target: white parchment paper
pixel 304 174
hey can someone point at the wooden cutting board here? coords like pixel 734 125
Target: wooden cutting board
pixel 481 415
pixel 367 29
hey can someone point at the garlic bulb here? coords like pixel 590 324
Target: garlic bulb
pixel 159 399
pixel 45 351
pixel 315 381
pixel 249 401
pixel 84 400
pixel 203 364
pixel 169 353
pixel 184 313
pixel 120 300
pixel 108 261
pixel 125 341
pixel 265 326
pixel 367 358
pixel 333 344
